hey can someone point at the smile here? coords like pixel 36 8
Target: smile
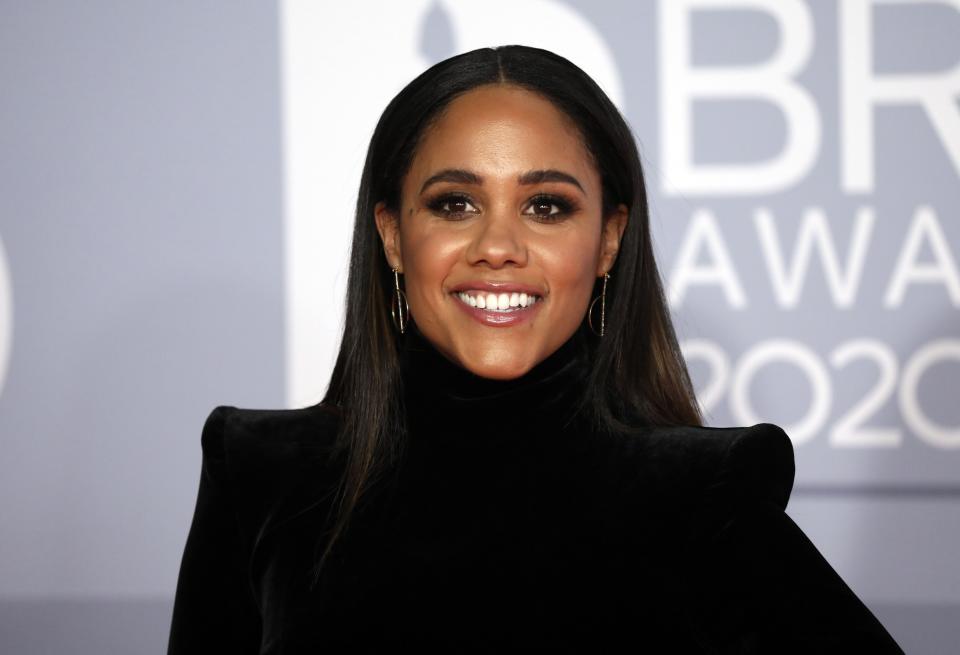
pixel 498 309
pixel 502 302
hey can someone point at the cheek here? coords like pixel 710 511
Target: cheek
pixel 569 266
pixel 428 260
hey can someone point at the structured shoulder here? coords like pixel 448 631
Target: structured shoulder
pixel 243 435
pixel 730 463
pixel 759 463
pixel 263 456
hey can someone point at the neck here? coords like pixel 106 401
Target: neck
pixel 449 406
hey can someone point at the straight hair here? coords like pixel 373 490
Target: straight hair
pixel 636 372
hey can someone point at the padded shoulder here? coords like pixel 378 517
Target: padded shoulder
pixel 755 469
pixel 212 440
pixel 257 437
pixel 731 463
pixel 759 464
pixel 265 458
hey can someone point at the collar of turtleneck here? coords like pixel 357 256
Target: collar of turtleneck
pixel 449 407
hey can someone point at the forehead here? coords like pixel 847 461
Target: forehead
pixel 503 129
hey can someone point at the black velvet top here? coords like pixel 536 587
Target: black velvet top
pixel 509 526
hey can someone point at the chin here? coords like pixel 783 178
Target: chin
pixel 499 374
pixel 498 368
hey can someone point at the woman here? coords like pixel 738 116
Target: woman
pixel 509 455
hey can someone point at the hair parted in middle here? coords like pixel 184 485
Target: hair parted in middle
pixel 637 375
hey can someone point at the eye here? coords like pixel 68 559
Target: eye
pixel 549 208
pixel 452 205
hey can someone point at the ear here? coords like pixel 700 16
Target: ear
pixel 388 225
pixel 613 226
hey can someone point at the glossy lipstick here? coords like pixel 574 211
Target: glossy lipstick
pixel 498 318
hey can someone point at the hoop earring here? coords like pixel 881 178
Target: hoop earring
pixel 402 312
pixel 603 308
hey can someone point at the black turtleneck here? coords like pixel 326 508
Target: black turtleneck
pixel 453 407
pixel 507 527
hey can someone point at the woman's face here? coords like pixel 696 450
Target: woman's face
pixel 502 200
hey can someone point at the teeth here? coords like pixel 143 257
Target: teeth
pixel 499 302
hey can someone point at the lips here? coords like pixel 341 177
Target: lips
pixel 502 301
pixel 498 287
pixel 498 303
pixel 497 296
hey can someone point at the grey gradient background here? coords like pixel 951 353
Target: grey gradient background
pixel 141 211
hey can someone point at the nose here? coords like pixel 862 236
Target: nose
pixel 498 241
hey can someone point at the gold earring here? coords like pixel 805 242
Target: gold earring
pixel 603 308
pixel 402 312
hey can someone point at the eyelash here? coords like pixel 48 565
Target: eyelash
pixel 564 206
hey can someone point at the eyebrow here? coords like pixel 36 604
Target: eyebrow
pixel 463 176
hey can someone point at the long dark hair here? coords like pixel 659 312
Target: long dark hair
pixel 637 373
